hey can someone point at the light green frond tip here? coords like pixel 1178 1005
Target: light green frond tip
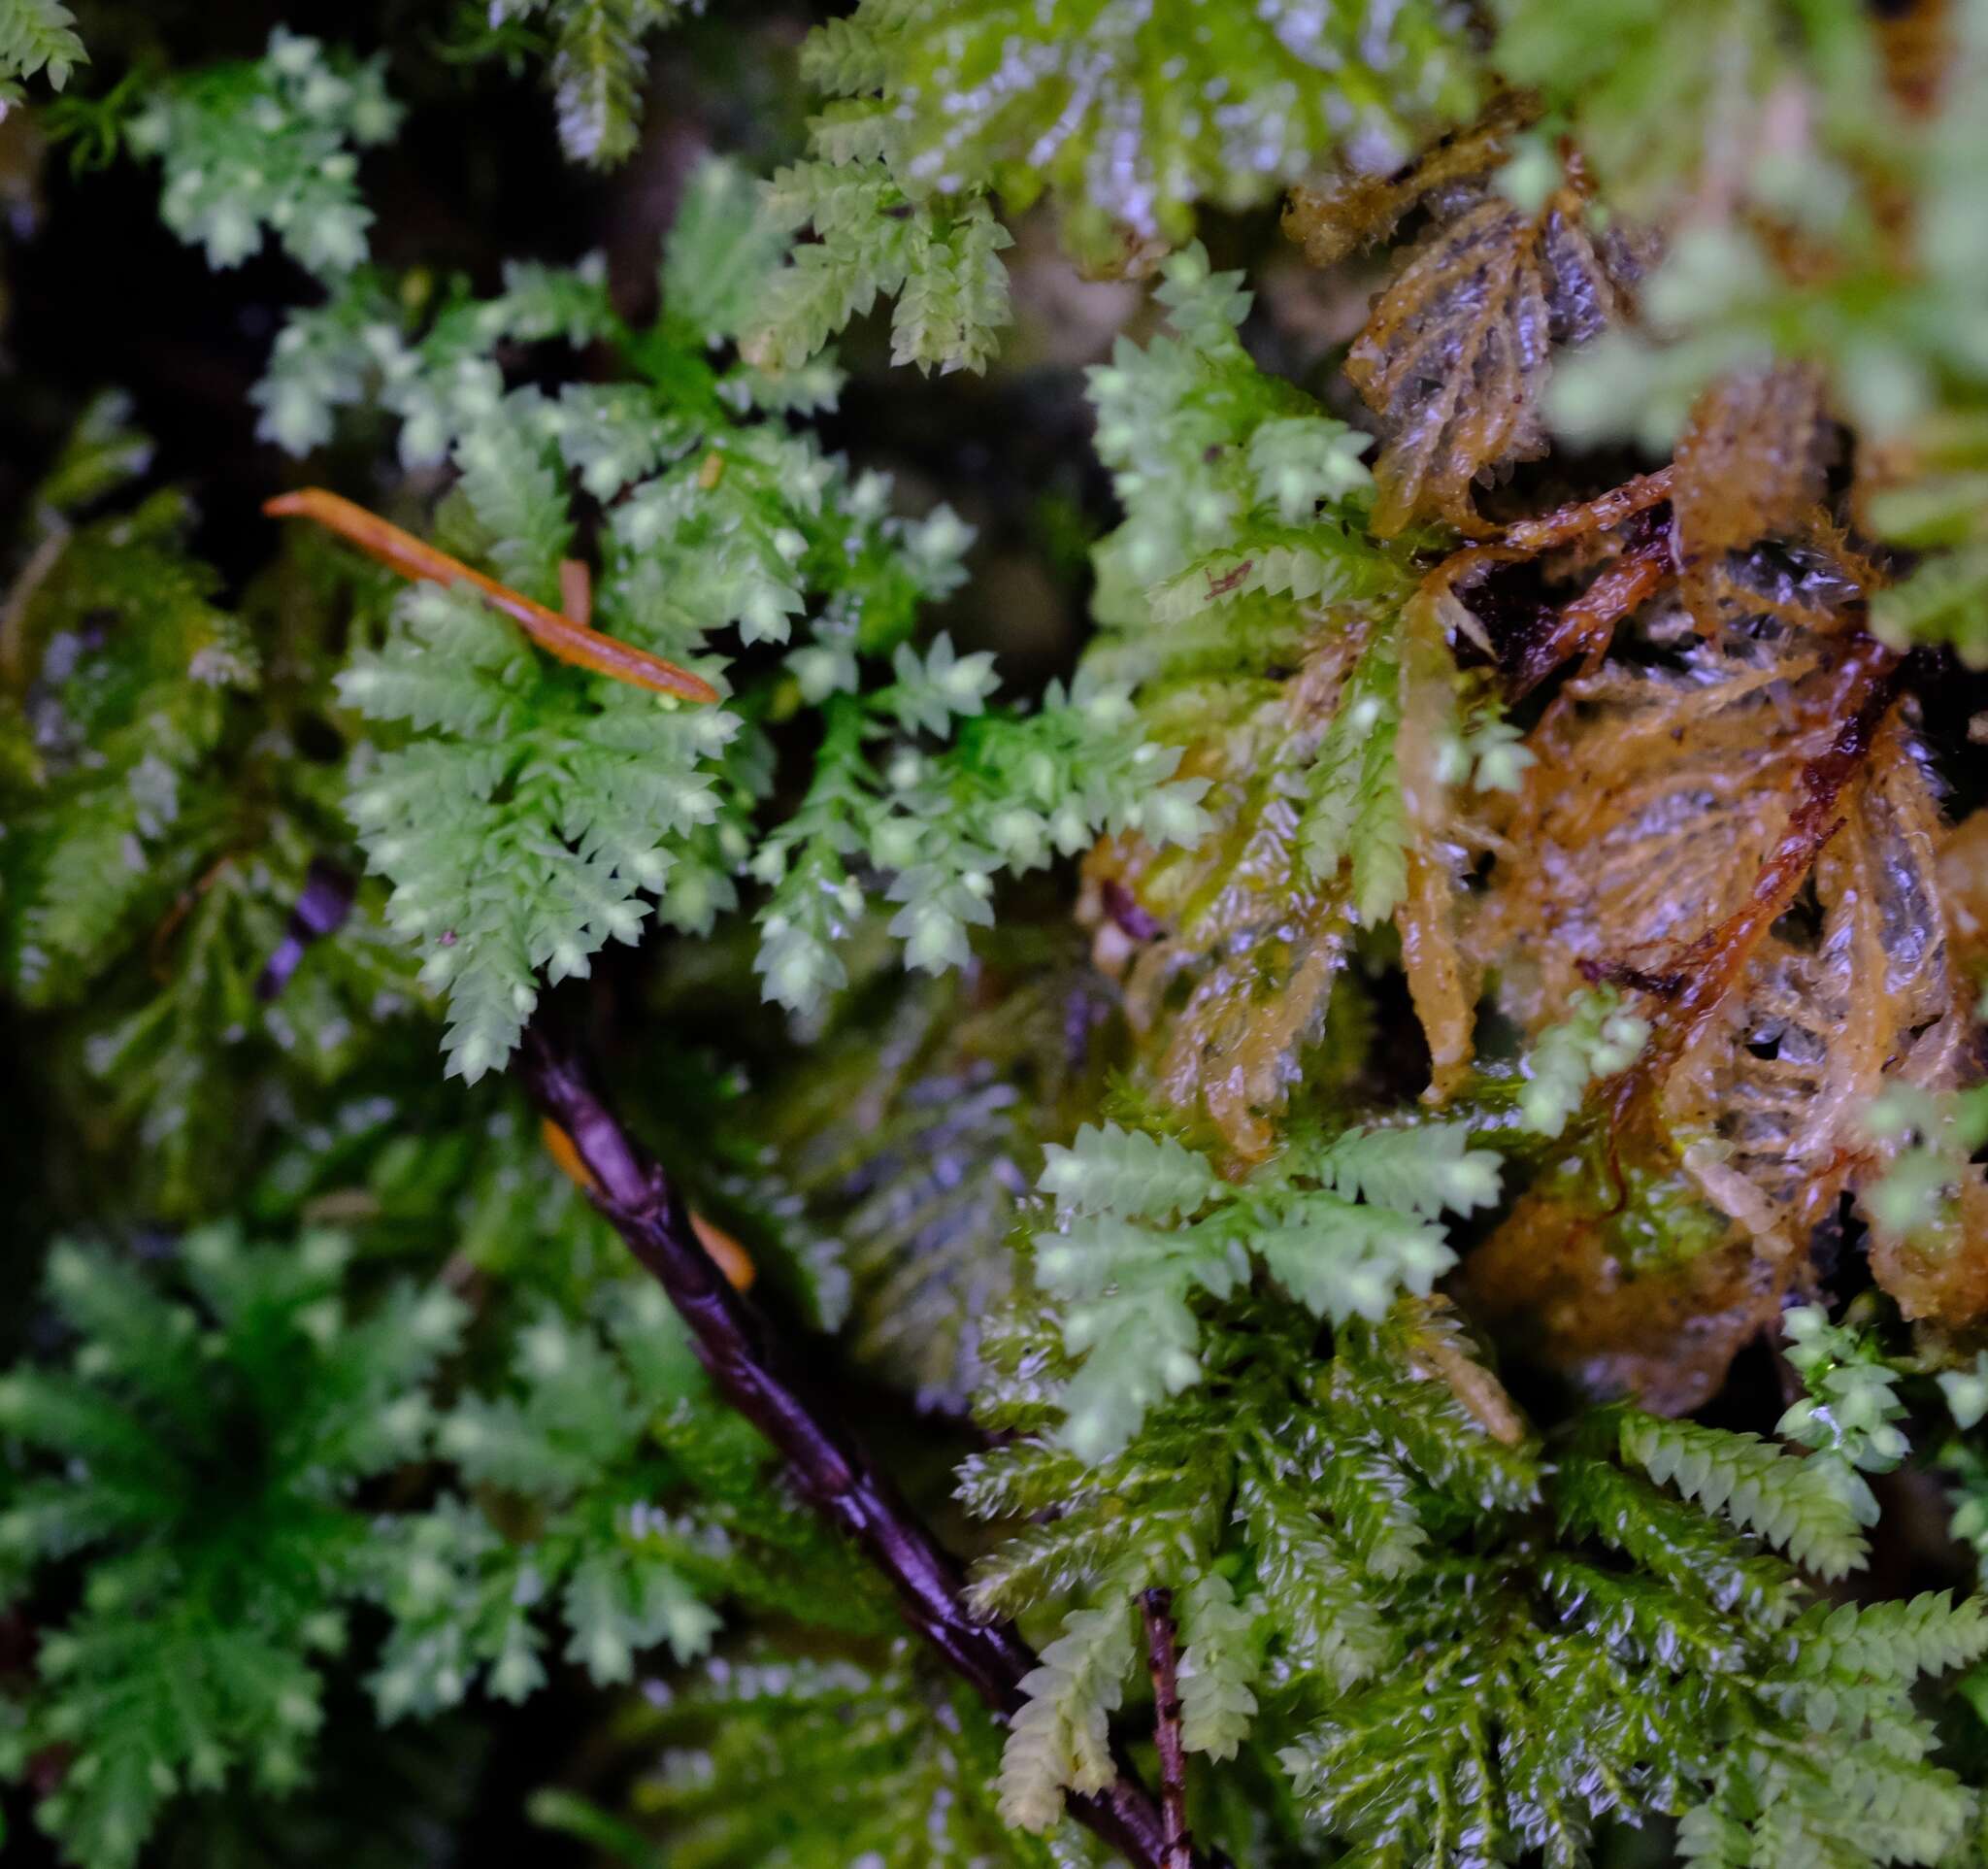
pixel 1062 1735
pixel 271 146
pixel 1796 1504
pixel 39 36
pixel 1107 1169
pixel 599 61
pixel 1851 1411
pixel 1220 1658
pixel 1597 1039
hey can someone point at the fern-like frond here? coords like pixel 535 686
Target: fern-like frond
pixel 1800 1505
pixel 39 36
pixel 270 145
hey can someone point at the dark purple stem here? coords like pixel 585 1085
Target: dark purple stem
pixel 320 910
pixel 760 1379
pixel 1162 1658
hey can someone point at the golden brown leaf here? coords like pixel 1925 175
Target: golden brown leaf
pixel 1964 889
pixel 1750 461
pixel 1558 1277
pixel 1769 1100
pixel 1819 1031
pixel 1664 839
pixel 1754 1125
pixel 1443 984
pixel 1441 1348
pixel 1655 797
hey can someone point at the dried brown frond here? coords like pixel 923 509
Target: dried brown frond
pixel 1768 1097
pixel 1333 218
pixel 1655 796
pixel 1917 42
pixel 1962 877
pixel 1664 839
pixel 1442 1349
pixel 1559 1275
pixel 1750 462
pixel 1458 348
pixel 1752 1106
pixel 1441 977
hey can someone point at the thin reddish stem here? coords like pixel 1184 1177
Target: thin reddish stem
pixel 1162 1643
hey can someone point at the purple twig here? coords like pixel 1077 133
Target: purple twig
pixel 757 1376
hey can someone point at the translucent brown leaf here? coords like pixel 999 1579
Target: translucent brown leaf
pixel 1441 977
pixel 1458 347
pixel 1964 889
pixel 1656 794
pixel 1558 1278
pixel 1739 824
pixel 1768 1101
pixel 1756 1125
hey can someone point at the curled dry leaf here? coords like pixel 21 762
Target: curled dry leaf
pixel 1441 1348
pixel 1337 217
pixel 1768 1101
pixel 1658 797
pixel 1655 796
pixel 1442 980
pixel 1919 42
pixel 1563 1275
pixel 1962 877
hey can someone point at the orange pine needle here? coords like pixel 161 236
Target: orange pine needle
pixel 575 593
pixel 726 1253
pixel 570 640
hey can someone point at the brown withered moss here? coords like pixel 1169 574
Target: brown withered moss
pixel 1962 877
pixel 1655 796
pixel 1441 977
pixel 1442 1348
pixel 1919 44
pixel 1457 349
pixel 1560 1277
pixel 1769 1097
pixel 1747 834
pixel 1343 213
pixel 1750 462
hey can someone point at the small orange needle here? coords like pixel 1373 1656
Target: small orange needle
pixel 726 1253
pixel 570 640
